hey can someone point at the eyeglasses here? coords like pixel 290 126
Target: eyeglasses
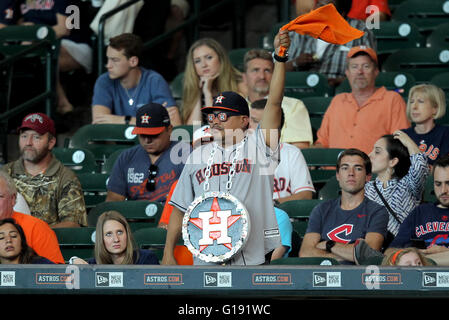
pixel 151 182
pixel 221 116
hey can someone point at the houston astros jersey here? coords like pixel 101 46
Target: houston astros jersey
pixel 252 184
pixel 292 174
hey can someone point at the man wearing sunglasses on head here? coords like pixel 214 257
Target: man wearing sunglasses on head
pixel 238 162
pixel 147 171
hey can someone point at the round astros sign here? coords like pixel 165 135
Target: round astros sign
pixel 215 227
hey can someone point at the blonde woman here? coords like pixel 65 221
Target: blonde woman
pixel 407 257
pixel 114 243
pixel 208 72
pixel 425 104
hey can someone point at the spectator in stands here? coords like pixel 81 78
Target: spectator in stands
pixel 292 179
pixel 257 72
pixel 335 225
pixel 426 103
pixel 148 170
pixel 228 117
pixel 52 191
pixel 39 235
pixel 114 243
pixel 14 248
pixel 75 51
pixel 428 222
pixel 126 86
pixel 208 72
pixel 310 54
pixel 357 119
pixel 401 175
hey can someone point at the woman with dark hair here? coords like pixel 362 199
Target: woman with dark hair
pixel 114 243
pixel 401 171
pixel 13 245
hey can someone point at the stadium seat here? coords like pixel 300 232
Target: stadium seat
pixel 316 106
pixel 321 163
pixel 441 80
pixel 94 186
pixel 176 86
pixel 153 238
pixel 439 37
pixel 267 40
pixel 330 190
pixel 78 242
pixel 236 56
pixel 429 193
pixel 421 63
pixel 301 84
pixel 299 212
pixel 139 214
pixel 401 82
pixel 103 139
pixel 183 133
pixel 394 35
pixel 80 160
pixel 316 261
pixel 108 164
pixel 427 15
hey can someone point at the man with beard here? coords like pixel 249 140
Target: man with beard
pixel 51 190
pixel 358 118
pixel 258 70
pixel 336 225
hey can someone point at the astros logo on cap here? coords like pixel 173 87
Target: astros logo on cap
pixel 145 118
pixel 219 99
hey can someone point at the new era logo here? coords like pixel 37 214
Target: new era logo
pixel 109 279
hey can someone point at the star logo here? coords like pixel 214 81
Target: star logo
pixel 145 118
pixel 215 224
pixel 219 99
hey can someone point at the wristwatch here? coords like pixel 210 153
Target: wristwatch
pixel 329 245
pixel 280 59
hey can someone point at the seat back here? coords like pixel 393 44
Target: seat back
pixel 103 139
pixel 153 238
pixel 315 261
pixel 138 213
pixel 299 212
pixel 301 84
pixel 421 63
pixel 236 56
pixel 94 186
pixel 439 37
pixel 394 35
pixel 330 190
pixel 80 160
pixel 78 242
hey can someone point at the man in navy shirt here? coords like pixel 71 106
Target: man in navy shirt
pixel 147 171
pixel 336 224
pixel 429 222
pixel 126 87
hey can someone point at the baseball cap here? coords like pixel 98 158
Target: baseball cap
pixel 38 122
pixel 367 50
pixel 229 101
pixel 151 119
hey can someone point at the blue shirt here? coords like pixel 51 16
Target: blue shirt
pixel 432 144
pixel 145 257
pixel 130 172
pixel 426 222
pixel 346 226
pixel 151 88
pixel 285 228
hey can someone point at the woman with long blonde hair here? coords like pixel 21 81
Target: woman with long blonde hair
pixel 208 72
pixel 114 243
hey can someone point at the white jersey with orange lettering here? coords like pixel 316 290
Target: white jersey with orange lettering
pixel 292 174
pixel 252 184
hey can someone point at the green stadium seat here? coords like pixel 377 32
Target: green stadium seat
pixel 80 160
pixel 94 186
pixel 427 15
pixel 439 37
pixel 176 86
pixel 236 56
pixel 421 63
pixel 330 190
pixel 441 80
pixel 139 213
pixel 316 106
pixel 103 139
pixel 394 35
pixel 183 133
pixel 301 84
pixel 153 238
pixel 108 164
pixel 321 163
pixel 299 212
pixel 429 193
pixel 316 261
pixel 398 81
pixel 78 242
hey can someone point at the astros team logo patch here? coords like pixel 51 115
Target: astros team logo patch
pixel 219 99
pixel 215 227
pixel 145 118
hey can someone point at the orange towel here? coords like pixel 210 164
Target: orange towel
pixel 324 23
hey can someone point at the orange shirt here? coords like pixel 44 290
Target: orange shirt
pixel 40 237
pixel 348 125
pixel 182 254
pixel 358 8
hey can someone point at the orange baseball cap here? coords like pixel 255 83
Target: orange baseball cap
pixel 369 51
